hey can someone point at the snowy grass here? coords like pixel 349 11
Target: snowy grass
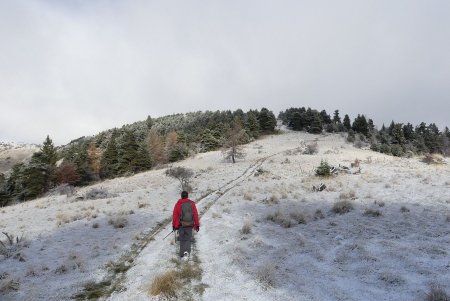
pixel 165 284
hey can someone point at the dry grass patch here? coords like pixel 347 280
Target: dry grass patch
pixel 318 214
pixel 298 217
pixel 8 285
pixel 248 196
pixel 342 207
pixel 247 227
pixel 165 285
pixel 404 209
pixel 266 275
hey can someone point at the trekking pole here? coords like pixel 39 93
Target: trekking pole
pixel 168 234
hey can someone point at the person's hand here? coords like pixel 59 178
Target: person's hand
pixel 197 228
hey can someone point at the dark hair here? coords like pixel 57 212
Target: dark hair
pixel 184 195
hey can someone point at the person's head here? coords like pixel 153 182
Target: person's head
pixel 184 194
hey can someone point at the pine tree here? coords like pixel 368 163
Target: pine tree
pixel 316 124
pixel 252 125
pixel 127 150
pixel 397 135
pixel 143 160
pixel 296 121
pixel 324 117
pixel 336 118
pixel 347 124
pixel 110 159
pixel 267 121
pixel 49 155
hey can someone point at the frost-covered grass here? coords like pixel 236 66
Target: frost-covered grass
pixel 264 237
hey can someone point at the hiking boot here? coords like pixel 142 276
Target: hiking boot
pixel 185 256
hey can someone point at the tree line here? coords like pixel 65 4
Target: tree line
pixel 133 148
pixel 397 139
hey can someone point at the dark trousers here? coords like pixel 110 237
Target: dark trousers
pixel 185 236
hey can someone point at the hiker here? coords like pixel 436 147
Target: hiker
pixel 185 218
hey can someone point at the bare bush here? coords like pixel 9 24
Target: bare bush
pixel 342 207
pixel 182 174
pixel 311 149
pixel 355 163
pixel 379 203
pixel 98 193
pixel 433 159
pixel 437 293
pixel 12 245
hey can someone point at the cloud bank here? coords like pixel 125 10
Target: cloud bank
pixel 74 68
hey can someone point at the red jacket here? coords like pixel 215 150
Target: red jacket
pixel 177 214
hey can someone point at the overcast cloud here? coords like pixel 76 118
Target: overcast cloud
pixel 75 68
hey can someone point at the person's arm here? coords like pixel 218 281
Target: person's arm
pixel 196 219
pixel 176 216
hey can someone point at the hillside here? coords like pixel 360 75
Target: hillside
pixel 265 235
pixel 12 153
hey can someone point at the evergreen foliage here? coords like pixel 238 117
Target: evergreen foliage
pixel 324 169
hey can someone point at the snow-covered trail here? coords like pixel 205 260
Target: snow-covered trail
pixel 154 256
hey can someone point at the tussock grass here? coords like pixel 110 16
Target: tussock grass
pixel 342 207
pixel 437 293
pixel 118 222
pixel 247 227
pixel 279 218
pixel 165 284
pixel 266 275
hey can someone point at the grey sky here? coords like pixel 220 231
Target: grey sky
pixel 74 68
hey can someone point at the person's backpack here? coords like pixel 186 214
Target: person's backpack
pixel 187 216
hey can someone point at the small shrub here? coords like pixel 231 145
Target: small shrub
pixel 142 205
pixel 324 169
pixel 62 269
pixel 342 207
pixel 274 199
pixel 95 225
pixel 118 222
pixel 165 284
pixel 404 209
pixel 372 212
pixel 432 159
pixel 437 293
pixel 182 174
pixel 298 217
pixel 355 163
